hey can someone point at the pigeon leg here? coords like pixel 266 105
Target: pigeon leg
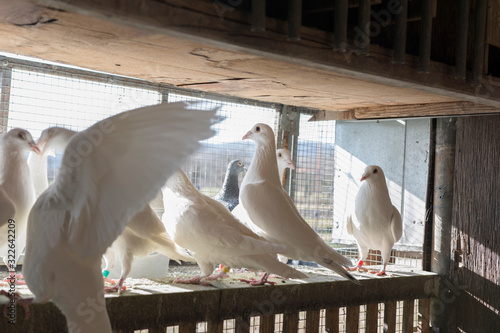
pixel 119 287
pixel 261 282
pixel 359 267
pixel 19 300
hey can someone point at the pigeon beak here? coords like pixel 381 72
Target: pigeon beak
pixel 362 178
pixel 35 148
pixel 42 144
pixel 291 165
pixel 246 135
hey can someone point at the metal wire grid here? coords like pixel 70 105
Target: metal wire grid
pixel 207 167
pixel 314 174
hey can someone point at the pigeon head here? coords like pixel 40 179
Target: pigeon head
pixel 372 172
pixel 260 133
pixel 236 166
pixel 21 139
pixel 54 138
pixel 284 159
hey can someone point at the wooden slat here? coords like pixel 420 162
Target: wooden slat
pixel 425 314
pixel 312 321
pixel 408 314
pixel 267 324
pixel 187 328
pixel 157 330
pixel 407 111
pixel 215 326
pixel 352 318
pixel 290 322
pixel 390 316
pixel 243 324
pixel 332 320
pixel 371 318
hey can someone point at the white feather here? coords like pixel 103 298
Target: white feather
pixel 376 223
pixel 109 172
pixel 272 210
pixel 213 235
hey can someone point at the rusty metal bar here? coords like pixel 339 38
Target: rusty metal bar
pixel 462 34
pixel 340 25
pixel 424 59
pixel 400 28
pixel 443 207
pixel 363 28
pixel 294 19
pixel 258 15
pixel 479 40
pixel 429 201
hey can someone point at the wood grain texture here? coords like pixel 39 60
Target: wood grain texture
pixel 168 57
pixel 474 285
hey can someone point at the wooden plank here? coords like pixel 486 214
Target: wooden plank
pixel 332 320
pixel 425 315
pixel 187 328
pixel 408 315
pixel 408 111
pixel 372 318
pixel 165 57
pixel 267 324
pixel 242 324
pixel 200 303
pixel 312 321
pixel 290 322
pixel 390 316
pixel 215 326
pixel 352 319
pixel 157 330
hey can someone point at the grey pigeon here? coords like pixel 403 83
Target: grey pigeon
pixel 230 190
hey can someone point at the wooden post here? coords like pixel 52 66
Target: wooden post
pixel 371 318
pixel 267 324
pixel 408 310
pixel 390 317
pixel 352 319
pixel 332 320
pixel 291 322
pixel 187 328
pixel 312 321
pixel 215 326
pixel 425 313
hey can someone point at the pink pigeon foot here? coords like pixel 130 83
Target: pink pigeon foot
pixel 261 282
pixel 359 267
pixel 118 287
pixel 18 300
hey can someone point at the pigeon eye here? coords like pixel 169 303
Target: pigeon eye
pixel 375 171
pixel 22 136
pixel 279 155
pixel 257 129
pixel 239 163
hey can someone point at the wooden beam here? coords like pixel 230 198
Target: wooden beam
pixel 408 111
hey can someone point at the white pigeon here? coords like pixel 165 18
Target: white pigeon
pixel 109 172
pixel 273 211
pixel 17 194
pixel 144 234
pixel 214 236
pixel 376 223
pixel 284 158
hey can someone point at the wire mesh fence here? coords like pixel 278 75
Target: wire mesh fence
pixel 36 96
